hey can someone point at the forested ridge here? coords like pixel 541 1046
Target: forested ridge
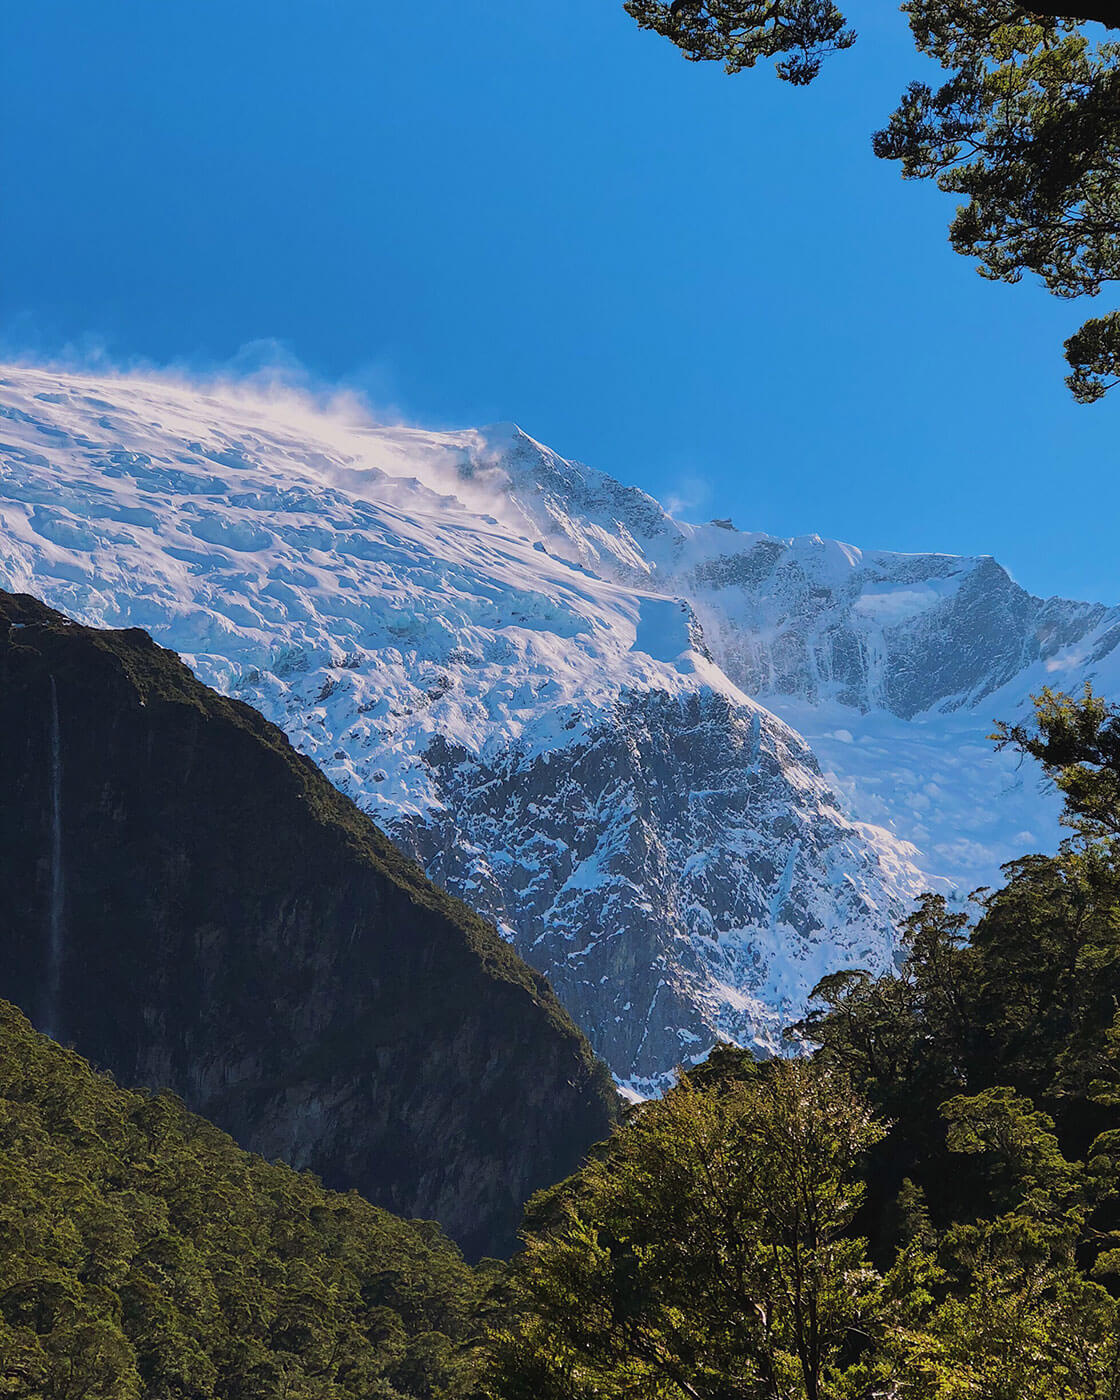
pixel 144 1254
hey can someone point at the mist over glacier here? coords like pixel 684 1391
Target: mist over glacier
pixel 686 769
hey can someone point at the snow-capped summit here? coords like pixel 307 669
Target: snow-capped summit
pixel 893 666
pixel 548 689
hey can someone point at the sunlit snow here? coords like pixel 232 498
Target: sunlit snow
pixel 549 689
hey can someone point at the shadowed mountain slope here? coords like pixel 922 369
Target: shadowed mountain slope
pixel 191 904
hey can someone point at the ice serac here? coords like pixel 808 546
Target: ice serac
pixel 237 931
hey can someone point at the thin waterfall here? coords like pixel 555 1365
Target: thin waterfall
pixel 56 926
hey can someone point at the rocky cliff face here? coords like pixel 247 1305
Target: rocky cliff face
pixel 897 633
pixel 191 904
pixel 679 866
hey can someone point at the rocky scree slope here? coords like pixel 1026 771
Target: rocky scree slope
pixel 192 905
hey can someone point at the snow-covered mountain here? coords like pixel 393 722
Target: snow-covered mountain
pixel 894 667
pixel 548 689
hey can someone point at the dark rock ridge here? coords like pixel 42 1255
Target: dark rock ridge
pixel 192 905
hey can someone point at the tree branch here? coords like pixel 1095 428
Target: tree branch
pixel 1106 12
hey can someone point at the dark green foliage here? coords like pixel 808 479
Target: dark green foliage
pixel 1047 991
pixel 878 1028
pixel 704 1253
pixel 143 1254
pixel 712 1252
pixel 1002 1308
pixel 1026 130
pixel 997 1054
pixel 1028 1005
pixel 1031 998
pixel 738 33
pixel 1077 741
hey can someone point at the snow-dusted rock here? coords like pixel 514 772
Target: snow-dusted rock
pixel 552 692
pixel 555 745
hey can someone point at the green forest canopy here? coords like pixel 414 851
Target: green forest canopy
pixel 144 1254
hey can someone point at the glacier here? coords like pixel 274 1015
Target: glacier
pixel 686 769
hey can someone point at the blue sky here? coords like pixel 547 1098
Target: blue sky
pixel 480 210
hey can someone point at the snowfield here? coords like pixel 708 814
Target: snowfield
pixel 604 728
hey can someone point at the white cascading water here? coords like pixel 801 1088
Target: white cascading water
pixel 55 945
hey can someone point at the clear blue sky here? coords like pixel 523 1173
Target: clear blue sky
pixel 506 209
